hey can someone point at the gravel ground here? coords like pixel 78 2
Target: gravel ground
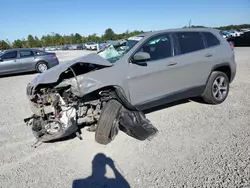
pixel 197 146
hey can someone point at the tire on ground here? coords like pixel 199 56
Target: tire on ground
pixel 208 95
pixel 39 63
pixel 108 119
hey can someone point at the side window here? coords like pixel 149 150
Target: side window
pixel 9 55
pixel 26 53
pixel 210 39
pixel 247 35
pixel 40 53
pixel 158 47
pixel 189 41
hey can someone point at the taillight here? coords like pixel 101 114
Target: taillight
pixel 54 57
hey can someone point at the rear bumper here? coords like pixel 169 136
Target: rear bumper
pixel 233 73
pixel 53 63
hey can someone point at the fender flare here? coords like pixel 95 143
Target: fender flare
pixel 217 66
pixel 119 94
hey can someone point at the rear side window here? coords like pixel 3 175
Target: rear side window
pixel 26 53
pixel 247 35
pixel 40 53
pixel 210 39
pixel 189 41
pixel 9 55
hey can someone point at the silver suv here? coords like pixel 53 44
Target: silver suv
pixel 109 89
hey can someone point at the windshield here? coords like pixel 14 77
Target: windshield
pixel 115 50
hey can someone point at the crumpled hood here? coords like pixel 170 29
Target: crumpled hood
pixel 52 75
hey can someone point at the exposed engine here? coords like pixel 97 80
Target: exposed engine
pixel 59 112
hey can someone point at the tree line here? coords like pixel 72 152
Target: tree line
pixel 55 39
pixel 225 28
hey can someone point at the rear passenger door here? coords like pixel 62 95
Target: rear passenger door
pixel 26 60
pixel 194 61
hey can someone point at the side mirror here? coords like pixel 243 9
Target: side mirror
pixel 141 56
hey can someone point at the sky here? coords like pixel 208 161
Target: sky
pixel 19 18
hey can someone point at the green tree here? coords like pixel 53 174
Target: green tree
pixel 195 26
pixel 18 44
pixel 57 39
pixel 233 27
pixel 31 41
pixel 109 34
pixel 47 40
pixel 38 42
pixel 67 39
pixel 84 39
pixel 93 38
pixel 4 45
pixel 77 38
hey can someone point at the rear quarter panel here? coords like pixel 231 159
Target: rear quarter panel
pixel 48 58
pixel 224 54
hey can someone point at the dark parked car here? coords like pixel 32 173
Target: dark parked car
pixel 72 47
pixel 242 40
pixel 65 47
pixel 79 46
pixel 25 60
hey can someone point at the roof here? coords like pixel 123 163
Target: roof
pixel 150 33
pixel 14 49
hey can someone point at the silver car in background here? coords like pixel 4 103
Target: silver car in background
pixel 26 60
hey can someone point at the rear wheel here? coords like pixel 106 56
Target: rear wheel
pixel 217 88
pixel 107 126
pixel 41 67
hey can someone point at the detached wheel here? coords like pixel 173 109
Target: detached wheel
pixel 217 88
pixel 107 126
pixel 41 67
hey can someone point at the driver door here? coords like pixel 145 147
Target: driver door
pixel 150 80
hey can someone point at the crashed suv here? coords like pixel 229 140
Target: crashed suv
pixel 108 90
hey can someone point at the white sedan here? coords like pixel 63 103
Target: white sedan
pixel 91 46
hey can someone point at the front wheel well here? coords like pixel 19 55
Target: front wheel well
pixel 225 69
pixel 114 91
pixel 108 89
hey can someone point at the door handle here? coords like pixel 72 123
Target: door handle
pixel 172 64
pixel 209 55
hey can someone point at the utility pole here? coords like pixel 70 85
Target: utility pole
pixel 189 23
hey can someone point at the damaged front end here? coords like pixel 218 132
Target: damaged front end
pixel 62 105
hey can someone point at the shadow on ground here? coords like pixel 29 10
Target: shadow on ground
pixel 97 179
pixel 161 107
pixel 168 105
pixel 18 74
pixel 176 103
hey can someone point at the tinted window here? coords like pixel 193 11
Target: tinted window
pixel 158 47
pixel 9 55
pixel 211 39
pixel 40 53
pixel 190 41
pixel 247 34
pixel 26 53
